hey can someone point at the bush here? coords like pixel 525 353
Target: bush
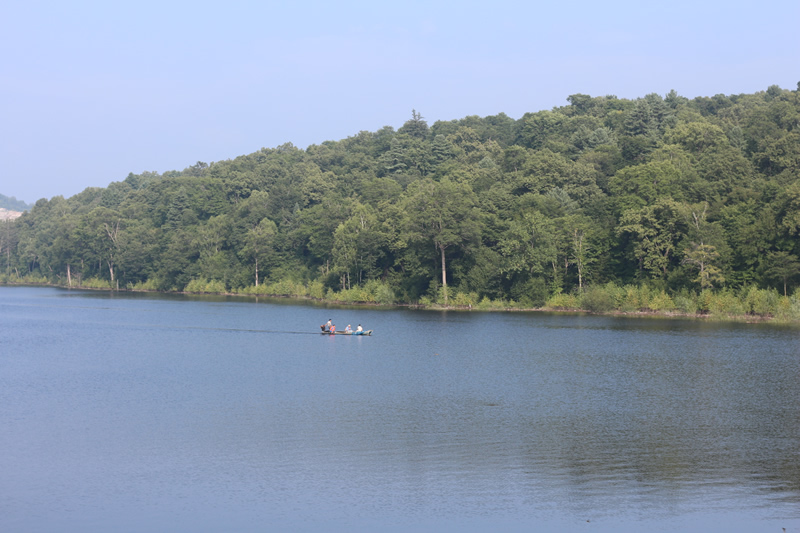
pixel 204 286
pixel 725 303
pixel 487 303
pixel 354 295
pixel 661 301
pixel 788 308
pixel 759 301
pixel 149 285
pixel 425 301
pixel 630 299
pixel 532 293
pixel 704 301
pixel 465 299
pixel 380 292
pixel 287 287
pixel 30 278
pixel 794 306
pixel 685 302
pixel 563 301
pixel 597 300
pixel 96 283
pixel 316 289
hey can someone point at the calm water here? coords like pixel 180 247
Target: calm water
pixel 152 413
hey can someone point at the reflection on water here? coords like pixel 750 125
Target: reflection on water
pixel 132 412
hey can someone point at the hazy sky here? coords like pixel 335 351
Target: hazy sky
pixel 90 91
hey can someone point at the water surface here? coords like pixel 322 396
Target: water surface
pixel 135 412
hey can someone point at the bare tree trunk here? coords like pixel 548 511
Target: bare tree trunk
pixel 112 231
pixel 444 276
pixel 69 276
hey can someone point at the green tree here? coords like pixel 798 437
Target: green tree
pixel 258 243
pixel 703 256
pixel 700 254
pixel 528 245
pixel 102 231
pixel 8 242
pixel 782 265
pixel 416 127
pixel 443 212
pixel 643 184
pixel 358 243
pixel 656 231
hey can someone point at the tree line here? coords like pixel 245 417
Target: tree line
pixel 580 203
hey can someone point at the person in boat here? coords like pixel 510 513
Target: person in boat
pixel 328 325
pixel 332 329
pixel 359 330
pixel 348 329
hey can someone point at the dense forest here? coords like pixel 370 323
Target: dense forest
pixel 660 203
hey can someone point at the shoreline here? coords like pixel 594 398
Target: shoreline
pixel 641 313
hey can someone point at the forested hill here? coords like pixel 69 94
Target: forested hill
pixel 12 204
pixel 681 197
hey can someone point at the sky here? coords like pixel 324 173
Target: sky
pixel 93 90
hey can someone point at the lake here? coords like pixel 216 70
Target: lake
pixel 142 412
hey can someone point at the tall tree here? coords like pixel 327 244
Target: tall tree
pixel 529 244
pixel 700 253
pixel 258 244
pixel 783 266
pixel 443 212
pixel 656 231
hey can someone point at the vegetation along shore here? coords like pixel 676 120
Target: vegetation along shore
pixel 660 204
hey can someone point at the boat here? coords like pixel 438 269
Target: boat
pixel 365 332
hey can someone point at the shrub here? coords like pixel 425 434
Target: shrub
pixel 725 303
pixel 425 300
pixel 354 295
pixel 380 292
pixel 704 301
pixel 616 293
pixel 563 301
pixel 685 303
pixel 759 301
pixel 205 286
pixel 316 289
pixel 788 308
pixel 286 287
pixel 661 301
pixel 28 279
pixel 250 289
pixel 794 306
pixel 487 304
pixel 631 300
pixel 96 283
pixel 532 293
pixel 148 285
pixel 597 300
pixel 465 299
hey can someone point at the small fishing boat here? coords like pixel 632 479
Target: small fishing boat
pixel 365 332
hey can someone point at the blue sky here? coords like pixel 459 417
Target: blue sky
pixel 90 91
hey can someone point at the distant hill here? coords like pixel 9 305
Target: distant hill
pixel 13 204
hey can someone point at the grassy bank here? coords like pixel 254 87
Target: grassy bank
pixel 749 303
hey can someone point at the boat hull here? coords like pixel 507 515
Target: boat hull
pixel 367 332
